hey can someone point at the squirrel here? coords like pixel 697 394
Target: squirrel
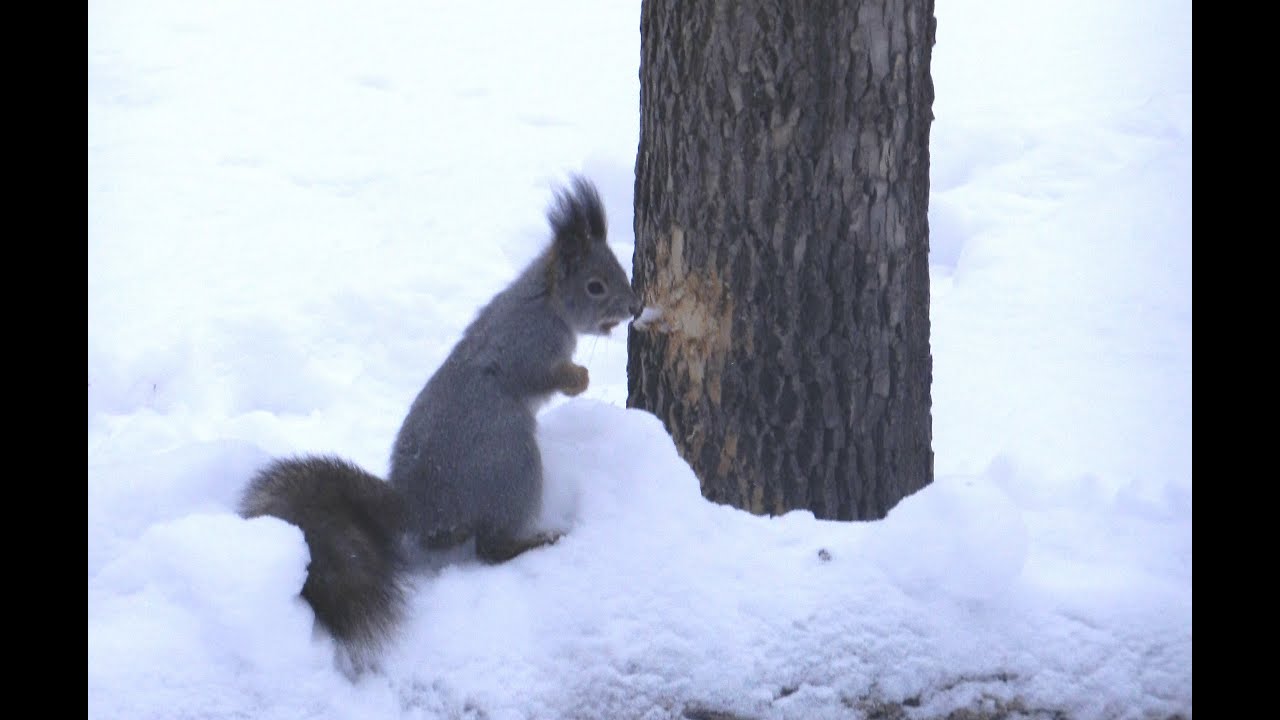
pixel 465 463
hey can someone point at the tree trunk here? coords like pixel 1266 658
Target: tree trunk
pixel 782 186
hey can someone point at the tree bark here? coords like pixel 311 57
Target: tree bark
pixel 781 198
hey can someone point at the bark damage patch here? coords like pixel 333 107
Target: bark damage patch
pixel 698 309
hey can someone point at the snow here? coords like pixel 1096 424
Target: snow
pixel 295 208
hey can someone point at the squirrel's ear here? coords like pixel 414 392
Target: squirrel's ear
pixel 577 219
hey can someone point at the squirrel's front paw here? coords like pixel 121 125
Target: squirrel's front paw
pixel 575 379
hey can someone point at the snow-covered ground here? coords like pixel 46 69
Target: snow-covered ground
pixel 296 207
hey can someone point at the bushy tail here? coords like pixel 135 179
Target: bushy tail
pixel 353 523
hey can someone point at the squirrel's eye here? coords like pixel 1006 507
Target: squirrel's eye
pixel 595 288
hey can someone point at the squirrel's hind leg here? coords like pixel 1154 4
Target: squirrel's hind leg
pixel 495 546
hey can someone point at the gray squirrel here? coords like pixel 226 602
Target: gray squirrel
pixel 466 461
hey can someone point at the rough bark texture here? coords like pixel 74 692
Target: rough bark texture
pixel 782 186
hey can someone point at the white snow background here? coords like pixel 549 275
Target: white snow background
pixel 294 208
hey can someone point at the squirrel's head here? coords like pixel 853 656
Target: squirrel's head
pixel 589 281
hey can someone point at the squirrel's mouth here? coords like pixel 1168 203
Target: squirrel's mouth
pixel 607 327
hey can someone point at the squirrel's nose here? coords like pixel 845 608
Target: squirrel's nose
pixel 637 307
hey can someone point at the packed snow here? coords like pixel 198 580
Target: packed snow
pixel 294 210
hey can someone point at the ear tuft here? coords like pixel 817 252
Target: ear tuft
pixel 577 217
